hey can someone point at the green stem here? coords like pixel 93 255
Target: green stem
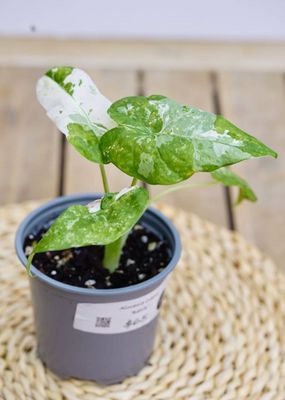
pixel 113 253
pixel 104 178
pixel 180 187
pixel 29 263
pixel 134 181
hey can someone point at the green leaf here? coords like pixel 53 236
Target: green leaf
pixel 93 224
pixel 162 142
pixel 85 142
pixel 229 178
pixel 77 108
pixel 248 144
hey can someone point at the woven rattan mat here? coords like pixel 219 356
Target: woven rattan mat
pixel 221 333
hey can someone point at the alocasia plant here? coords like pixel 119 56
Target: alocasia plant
pixel 152 139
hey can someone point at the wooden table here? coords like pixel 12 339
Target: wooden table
pixel 243 82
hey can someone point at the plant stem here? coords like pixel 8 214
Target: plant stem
pixel 104 178
pixel 29 263
pixel 113 253
pixel 180 187
pixel 134 181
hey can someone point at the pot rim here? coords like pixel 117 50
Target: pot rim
pixel 19 239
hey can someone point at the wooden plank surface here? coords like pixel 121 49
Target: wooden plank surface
pixel 82 175
pixel 193 88
pixel 29 144
pixel 256 102
pixel 143 54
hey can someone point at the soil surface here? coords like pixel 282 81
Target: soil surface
pixel 144 256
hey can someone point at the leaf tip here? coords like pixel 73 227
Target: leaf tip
pixel 274 154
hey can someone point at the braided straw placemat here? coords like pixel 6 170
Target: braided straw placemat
pixel 221 333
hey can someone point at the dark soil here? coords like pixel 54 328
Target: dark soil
pixel 144 256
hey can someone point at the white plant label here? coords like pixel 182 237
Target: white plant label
pixel 118 317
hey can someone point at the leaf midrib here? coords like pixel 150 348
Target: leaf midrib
pixel 187 137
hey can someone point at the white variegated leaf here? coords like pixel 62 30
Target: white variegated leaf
pixel 160 141
pixel 99 223
pixel 69 95
pixel 76 106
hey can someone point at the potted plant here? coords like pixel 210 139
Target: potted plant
pixel 100 261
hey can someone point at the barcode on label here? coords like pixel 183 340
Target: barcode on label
pixel 103 322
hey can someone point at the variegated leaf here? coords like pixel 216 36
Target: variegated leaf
pixel 76 106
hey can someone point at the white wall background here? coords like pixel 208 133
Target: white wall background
pixel 254 20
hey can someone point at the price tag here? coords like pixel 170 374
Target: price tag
pixel 118 317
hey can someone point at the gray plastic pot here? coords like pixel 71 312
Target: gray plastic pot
pixel 74 325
